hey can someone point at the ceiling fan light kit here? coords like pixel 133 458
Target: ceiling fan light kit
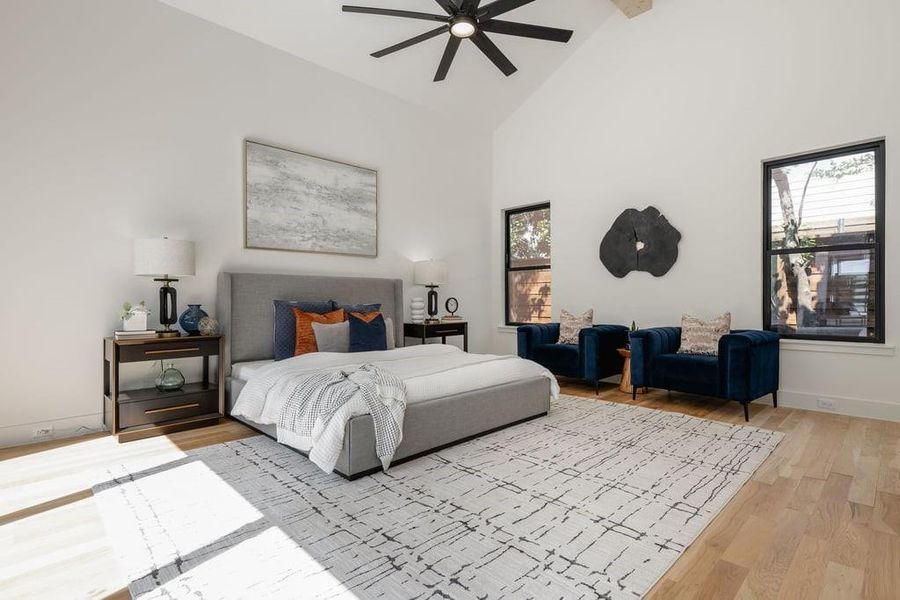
pixel 467 19
pixel 463 27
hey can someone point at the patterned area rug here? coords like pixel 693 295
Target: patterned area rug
pixel 596 500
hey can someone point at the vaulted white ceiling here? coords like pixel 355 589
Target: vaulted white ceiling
pixel 317 30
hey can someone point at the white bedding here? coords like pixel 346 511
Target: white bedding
pixel 246 370
pixel 428 371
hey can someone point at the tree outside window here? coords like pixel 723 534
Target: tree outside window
pixel 528 280
pixel 823 267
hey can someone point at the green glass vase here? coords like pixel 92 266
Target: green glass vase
pixel 170 380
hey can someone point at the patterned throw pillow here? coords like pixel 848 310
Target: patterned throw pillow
pixel 285 330
pixel 702 337
pixel 570 325
pixel 367 332
pixel 306 337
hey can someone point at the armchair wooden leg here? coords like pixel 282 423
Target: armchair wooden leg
pixel 634 392
pixel 775 399
pixel 597 387
pixel 746 411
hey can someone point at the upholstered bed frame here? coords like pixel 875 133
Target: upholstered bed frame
pixel 244 308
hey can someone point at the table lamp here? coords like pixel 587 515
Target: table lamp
pixel 164 260
pixel 431 274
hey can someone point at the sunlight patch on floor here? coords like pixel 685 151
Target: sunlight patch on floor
pixel 269 565
pixel 30 480
pixel 189 501
pixel 61 553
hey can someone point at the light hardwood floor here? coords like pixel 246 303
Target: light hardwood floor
pixel 820 519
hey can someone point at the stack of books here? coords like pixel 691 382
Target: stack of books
pixel 136 335
pixel 451 318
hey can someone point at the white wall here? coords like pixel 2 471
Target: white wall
pixel 676 109
pixel 125 118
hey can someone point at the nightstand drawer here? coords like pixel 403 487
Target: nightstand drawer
pixel 446 329
pixel 160 410
pixel 167 350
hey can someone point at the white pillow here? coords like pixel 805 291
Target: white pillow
pixel 389 333
pixel 332 337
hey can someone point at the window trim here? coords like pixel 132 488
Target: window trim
pixel 507 213
pixel 879 147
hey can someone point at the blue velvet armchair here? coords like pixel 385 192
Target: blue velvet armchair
pixel 745 369
pixel 595 357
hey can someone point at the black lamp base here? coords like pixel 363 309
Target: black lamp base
pixel 432 305
pixel 168 313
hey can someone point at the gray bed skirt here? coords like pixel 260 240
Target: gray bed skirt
pixel 430 424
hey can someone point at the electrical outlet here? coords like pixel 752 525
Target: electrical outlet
pixel 827 404
pixel 42 432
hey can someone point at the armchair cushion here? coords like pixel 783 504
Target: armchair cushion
pixel 692 373
pixel 562 359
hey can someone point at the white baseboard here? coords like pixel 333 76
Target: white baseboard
pixel 853 407
pixel 17 435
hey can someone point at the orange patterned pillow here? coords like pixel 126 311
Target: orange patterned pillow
pixel 306 338
pixel 365 316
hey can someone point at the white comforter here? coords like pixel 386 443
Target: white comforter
pixel 428 371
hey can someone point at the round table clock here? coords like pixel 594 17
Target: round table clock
pixel 452 305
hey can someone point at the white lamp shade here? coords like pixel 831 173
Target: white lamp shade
pixel 430 272
pixel 161 256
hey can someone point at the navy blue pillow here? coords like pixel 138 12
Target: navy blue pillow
pixel 285 334
pixel 367 336
pixel 360 308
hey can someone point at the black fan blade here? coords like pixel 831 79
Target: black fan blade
pixel 449 6
pixel 388 12
pixel 493 52
pixel 538 32
pixel 468 7
pixel 495 9
pixel 447 59
pixel 411 42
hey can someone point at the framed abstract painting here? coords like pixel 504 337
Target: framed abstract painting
pixel 302 203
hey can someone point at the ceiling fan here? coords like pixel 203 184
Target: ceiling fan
pixel 466 19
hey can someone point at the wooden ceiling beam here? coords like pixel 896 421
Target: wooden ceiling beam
pixel 633 8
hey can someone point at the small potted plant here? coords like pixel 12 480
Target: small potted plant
pixel 134 318
pixel 633 328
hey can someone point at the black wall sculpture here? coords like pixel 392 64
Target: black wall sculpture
pixel 640 240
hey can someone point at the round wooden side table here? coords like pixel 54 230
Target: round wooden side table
pixel 625 385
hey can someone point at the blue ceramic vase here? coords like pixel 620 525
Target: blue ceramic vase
pixel 190 319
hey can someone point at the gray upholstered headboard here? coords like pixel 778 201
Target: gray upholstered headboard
pixel 244 306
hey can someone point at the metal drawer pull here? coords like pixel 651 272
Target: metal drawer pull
pixel 447 331
pixel 195 349
pixel 171 408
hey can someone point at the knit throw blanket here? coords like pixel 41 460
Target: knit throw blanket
pixel 320 404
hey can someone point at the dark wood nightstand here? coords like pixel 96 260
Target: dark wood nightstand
pixel 136 414
pixel 424 331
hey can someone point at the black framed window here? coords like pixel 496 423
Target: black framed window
pixel 528 282
pixel 823 246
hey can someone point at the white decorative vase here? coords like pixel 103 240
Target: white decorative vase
pixel 417 310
